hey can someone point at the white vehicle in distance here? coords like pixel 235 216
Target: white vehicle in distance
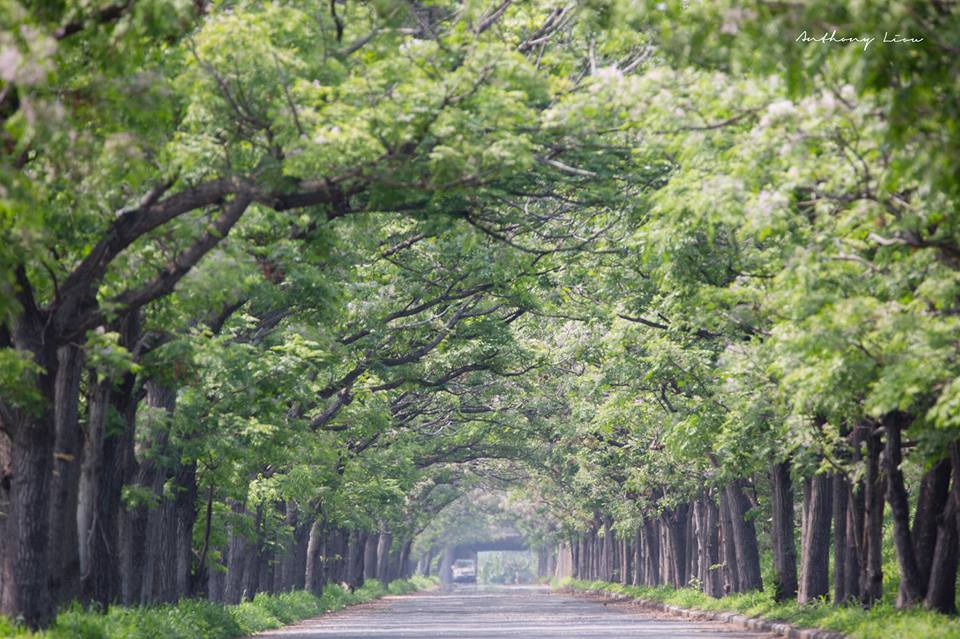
pixel 464 571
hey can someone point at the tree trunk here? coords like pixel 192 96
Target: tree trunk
pixel 235 559
pixel 98 406
pixel 691 570
pixel 200 576
pixel 784 546
pixel 731 575
pixel 815 551
pixel 871 583
pixel 575 546
pixel 160 522
pixel 383 555
pixel 584 553
pixel 446 563
pixel 26 546
pixel 840 580
pixel 370 556
pixel 355 547
pixel 675 548
pixel 624 562
pixel 942 585
pixel 744 538
pixel 651 537
pixel 403 569
pixel 26 560
pixel 312 579
pixel 133 535
pixel 251 558
pixel 6 472
pixel 185 507
pixel 711 573
pixel 217 581
pixel 162 554
pixel 606 552
pixel 856 512
pixel 64 490
pixel 667 568
pixel 911 589
pixel 931 502
pixel 639 575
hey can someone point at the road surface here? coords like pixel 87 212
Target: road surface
pixel 515 612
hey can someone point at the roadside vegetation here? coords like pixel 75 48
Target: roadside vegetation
pixel 196 619
pixel 882 621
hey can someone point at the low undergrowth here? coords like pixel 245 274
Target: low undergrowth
pixel 198 619
pixel 880 622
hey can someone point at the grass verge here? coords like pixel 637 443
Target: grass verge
pixel 880 622
pixel 198 619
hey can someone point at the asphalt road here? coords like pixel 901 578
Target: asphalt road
pixel 490 613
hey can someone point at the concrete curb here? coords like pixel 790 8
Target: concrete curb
pixel 751 623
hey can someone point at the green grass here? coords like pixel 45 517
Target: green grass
pixel 880 622
pixel 198 619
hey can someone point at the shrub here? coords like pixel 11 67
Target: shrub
pixel 200 619
pixel 880 622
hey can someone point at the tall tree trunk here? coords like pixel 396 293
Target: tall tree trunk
pixel 370 556
pixel 942 585
pixel 404 560
pixel 162 553
pixel 840 565
pixel 312 578
pixel 815 551
pixel 911 586
pixel 98 407
pixel 26 547
pixel 133 535
pixel 251 557
pixel 575 546
pixel 675 525
pixel 731 575
pixel 6 572
pixel 624 562
pixel 160 524
pixel 744 538
pixel 692 550
pixel 606 552
pixel 856 512
pixel 667 574
pixel 615 558
pixel 119 468
pixel 291 568
pixel 711 573
pixel 355 551
pixel 651 537
pixel 871 583
pixel 585 556
pixel 639 575
pixel 784 546
pixel 446 563
pixel 64 490
pixel 185 507
pixel 235 559
pixel 200 576
pixel 931 502
pixel 383 555
pixel 217 581
pixel 26 560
